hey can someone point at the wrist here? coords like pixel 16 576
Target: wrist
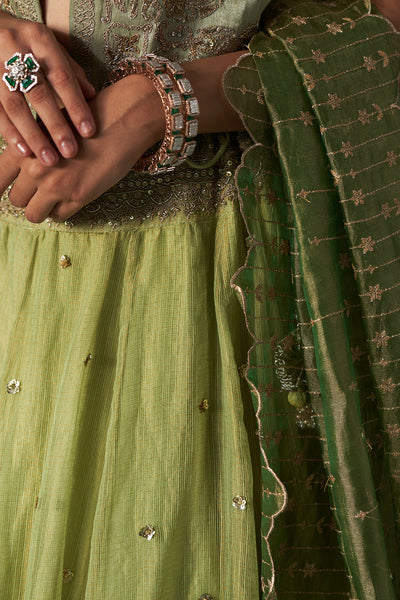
pixel 180 108
pixel 206 77
pixel 142 108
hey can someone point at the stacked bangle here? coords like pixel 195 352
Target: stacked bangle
pixel 180 106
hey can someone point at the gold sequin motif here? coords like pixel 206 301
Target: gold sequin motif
pixel 13 387
pixel 67 575
pixel 203 406
pixel 239 502
pixel 147 532
pixel 65 261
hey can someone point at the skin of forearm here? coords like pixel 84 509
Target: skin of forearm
pixel 205 75
pixel 390 9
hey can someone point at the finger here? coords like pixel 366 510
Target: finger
pixel 39 208
pixel 63 211
pixel 43 100
pixel 9 169
pixel 64 82
pixel 19 114
pixel 22 191
pixel 88 90
pixel 12 136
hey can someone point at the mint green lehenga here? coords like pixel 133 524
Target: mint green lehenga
pixel 94 450
pixel 199 370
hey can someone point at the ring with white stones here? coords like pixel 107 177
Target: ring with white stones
pixel 20 72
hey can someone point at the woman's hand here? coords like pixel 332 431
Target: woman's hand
pixel 130 118
pixel 60 79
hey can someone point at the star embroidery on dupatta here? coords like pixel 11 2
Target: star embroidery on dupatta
pixel 397 203
pixel 288 343
pixel 392 158
pixel 396 475
pixel 375 292
pixel 298 20
pixel 393 430
pixel 272 197
pixel 363 116
pixel 318 56
pixel 303 194
pixel 334 101
pixel 347 149
pixel 309 570
pixel 381 339
pixel 388 386
pixel 310 81
pixel 367 244
pixel 334 28
pixel 360 515
pixel 344 260
pixel 356 354
pixel 369 63
pixel 306 117
pixel 282 548
pixel 357 197
pixel 269 390
pixel 258 292
pixel 260 96
pixel 386 210
pixel 284 247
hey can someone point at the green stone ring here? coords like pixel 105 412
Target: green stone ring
pixel 20 72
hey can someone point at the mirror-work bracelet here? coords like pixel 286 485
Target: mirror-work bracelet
pixel 180 106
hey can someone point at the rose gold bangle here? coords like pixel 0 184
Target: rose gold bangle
pixel 181 110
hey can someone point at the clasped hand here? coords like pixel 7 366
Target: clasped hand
pixel 128 118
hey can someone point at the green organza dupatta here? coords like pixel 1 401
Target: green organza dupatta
pixel 320 194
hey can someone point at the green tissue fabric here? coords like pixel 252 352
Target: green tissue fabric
pixel 320 195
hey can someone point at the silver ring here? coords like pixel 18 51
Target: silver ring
pixel 20 72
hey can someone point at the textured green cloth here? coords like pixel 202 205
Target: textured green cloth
pixel 130 410
pixel 122 403
pixel 91 453
pixel 320 196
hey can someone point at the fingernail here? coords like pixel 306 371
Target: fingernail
pixel 68 148
pixel 87 128
pixel 49 157
pixel 23 149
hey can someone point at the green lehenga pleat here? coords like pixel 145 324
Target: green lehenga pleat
pixel 108 431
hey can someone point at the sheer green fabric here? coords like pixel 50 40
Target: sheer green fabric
pixel 121 404
pixel 320 196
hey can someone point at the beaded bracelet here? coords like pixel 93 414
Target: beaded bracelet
pixel 180 106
